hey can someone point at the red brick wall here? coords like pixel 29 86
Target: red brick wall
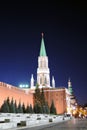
pixel 59 98
pixel 15 93
pixel 57 95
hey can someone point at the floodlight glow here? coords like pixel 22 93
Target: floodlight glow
pixel 23 85
pixel 26 86
pixel 20 85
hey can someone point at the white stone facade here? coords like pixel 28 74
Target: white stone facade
pixel 43 72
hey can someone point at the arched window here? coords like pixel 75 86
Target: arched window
pixel 40 80
pixel 45 80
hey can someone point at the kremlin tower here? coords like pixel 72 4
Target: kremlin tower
pixel 43 71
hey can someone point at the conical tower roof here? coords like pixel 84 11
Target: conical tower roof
pixel 42 48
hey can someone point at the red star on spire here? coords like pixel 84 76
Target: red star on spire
pixel 42 34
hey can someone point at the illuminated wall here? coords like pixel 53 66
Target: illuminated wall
pixel 26 97
pixel 58 95
pixel 17 94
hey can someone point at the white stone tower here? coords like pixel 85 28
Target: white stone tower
pixel 43 72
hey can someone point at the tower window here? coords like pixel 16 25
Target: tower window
pixel 45 80
pixel 40 80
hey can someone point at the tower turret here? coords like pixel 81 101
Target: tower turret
pixel 70 87
pixel 32 81
pixel 43 73
pixel 53 82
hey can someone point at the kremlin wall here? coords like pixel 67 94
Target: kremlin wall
pixel 59 98
pixel 17 94
pixel 63 98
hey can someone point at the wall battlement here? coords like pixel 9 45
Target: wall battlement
pixel 17 94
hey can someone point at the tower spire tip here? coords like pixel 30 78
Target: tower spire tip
pixel 42 34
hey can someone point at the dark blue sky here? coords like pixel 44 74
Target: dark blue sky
pixel 65 35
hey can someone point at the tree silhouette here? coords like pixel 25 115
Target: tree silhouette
pixel 12 107
pixel 20 110
pixel 16 109
pixel 31 109
pixel 52 108
pixel 23 108
pixel 40 105
pixel 5 107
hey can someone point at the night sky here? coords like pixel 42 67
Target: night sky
pixel 65 34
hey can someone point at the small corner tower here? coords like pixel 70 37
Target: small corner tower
pixel 43 73
pixel 32 81
pixel 53 82
pixel 70 87
pixel 73 101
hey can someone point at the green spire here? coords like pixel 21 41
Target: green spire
pixel 42 48
pixel 71 90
